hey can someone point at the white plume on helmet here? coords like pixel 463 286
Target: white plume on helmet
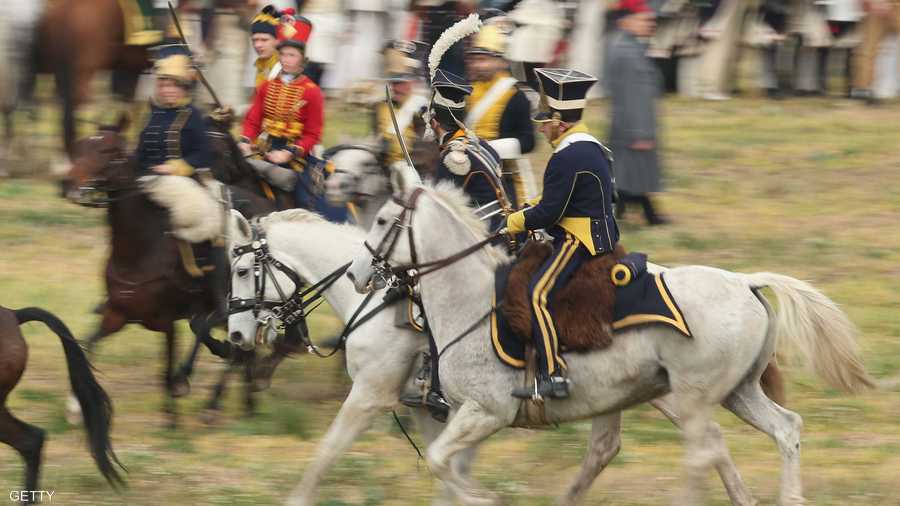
pixel 458 31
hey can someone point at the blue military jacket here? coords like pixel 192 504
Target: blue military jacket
pixel 175 135
pixel 470 168
pixel 577 196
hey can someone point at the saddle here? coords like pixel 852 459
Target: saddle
pixel 583 310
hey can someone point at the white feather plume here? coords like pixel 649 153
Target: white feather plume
pixel 460 30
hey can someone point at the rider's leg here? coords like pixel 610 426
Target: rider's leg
pixel 568 255
pixel 434 399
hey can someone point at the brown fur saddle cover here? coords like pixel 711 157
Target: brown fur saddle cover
pixel 586 311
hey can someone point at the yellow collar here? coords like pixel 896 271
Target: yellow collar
pixel 267 63
pixel 579 127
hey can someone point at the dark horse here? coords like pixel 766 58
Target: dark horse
pixel 145 280
pixel 27 439
pixel 73 40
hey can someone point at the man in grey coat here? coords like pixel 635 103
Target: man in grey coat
pixel 633 85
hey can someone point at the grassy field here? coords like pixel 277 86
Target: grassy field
pixel 808 188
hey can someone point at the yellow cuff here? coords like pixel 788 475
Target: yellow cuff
pixel 182 168
pixel 515 222
pixel 533 202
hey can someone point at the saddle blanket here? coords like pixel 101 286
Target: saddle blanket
pixel 644 300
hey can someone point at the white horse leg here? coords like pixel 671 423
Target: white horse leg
pixel 461 462
pixel 354 417
pixel 751 405
pixel 465 429
pixel 695 415
pixel 731 478
pixel 602 448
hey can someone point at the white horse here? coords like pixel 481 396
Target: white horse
pixel 381 356
pixel 735 333
pixel 359 180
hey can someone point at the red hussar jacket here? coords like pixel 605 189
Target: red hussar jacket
pixel 290 113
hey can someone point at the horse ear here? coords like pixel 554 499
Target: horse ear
pixel 240 227
pixel 398 185
pixel 403 177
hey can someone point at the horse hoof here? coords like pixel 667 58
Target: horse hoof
pixel 181 387
pixel 73 412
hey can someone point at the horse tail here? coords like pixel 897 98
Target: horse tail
pixel 95 403
pixel 811 324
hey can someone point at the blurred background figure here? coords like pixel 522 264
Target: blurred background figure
pixel 402 71
pixel 435 16
pixel 721 32
pixel 498 111
pixel 533 44
pixel 882 18
pixel 366 28
pixel 323 49
pixel 633 84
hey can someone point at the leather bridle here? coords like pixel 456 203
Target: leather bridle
pixel 289 310
pixel 409 274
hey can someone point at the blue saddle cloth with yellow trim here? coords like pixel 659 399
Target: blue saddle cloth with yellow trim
pixel 644 300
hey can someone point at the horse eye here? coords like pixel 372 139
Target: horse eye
pixel 242 272
pixel 381 222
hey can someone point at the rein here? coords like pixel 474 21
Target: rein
pixel 409 274
pixel 291 309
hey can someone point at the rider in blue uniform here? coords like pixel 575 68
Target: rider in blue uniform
pixel 466 160
pixel 575 209
pixel 174 141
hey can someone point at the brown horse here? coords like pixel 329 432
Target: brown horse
pixel 27 439
pixel 75 39
pixel 145 280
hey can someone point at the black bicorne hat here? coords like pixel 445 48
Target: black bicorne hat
pixel 563 93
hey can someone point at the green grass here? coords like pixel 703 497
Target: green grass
pixel 806 188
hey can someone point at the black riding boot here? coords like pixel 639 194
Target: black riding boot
pixel 554 386
pixel 433 399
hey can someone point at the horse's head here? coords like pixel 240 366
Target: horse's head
pixel 358 175
pixel 256 286
pixel 386 242
pixel 98 165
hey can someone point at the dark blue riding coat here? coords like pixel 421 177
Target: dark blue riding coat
pixel 175 135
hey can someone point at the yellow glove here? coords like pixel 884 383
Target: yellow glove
pixel 515 222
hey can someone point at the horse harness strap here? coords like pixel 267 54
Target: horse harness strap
pixel 290 310
pixel 409 274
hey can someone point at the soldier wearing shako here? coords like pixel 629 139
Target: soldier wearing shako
pixel 402 74
pixel 466 160
pixel 286 118
pixel 575 209
pixel 264 36
pixel 498 110
pixel 174 140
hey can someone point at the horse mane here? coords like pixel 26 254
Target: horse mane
pixel 455 200
pixel 291 216
pixel 307 217
pixel 453 197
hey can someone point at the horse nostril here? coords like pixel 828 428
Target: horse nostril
pixel 236 337
pixel 351 277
